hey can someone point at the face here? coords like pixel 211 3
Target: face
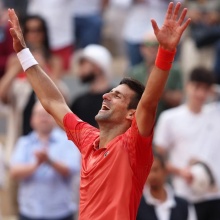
pixel 157 176
pixel 87 71
pixel 115 105
pixel 35 34
pixel 41 121
pixel 198 93
pixel 149 51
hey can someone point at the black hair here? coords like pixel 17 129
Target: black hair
pixel 27 18
pixel 160 158
pixel 135 86
pixel 202 75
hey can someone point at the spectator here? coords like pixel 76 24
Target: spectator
pixel 88 21
pixel 6 47
pixel 57 15
pixel 94 69
pixel 188 133
pixel 138 23
pixel 45 163
pixel 172 96
pixel 159 201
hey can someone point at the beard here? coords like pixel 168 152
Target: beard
pixel 89 78
pixel 103 116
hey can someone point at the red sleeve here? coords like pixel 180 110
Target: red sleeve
pixel 139 147
pixel 77 130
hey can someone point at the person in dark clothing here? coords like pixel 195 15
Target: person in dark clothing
pixel 158 201
pixel 94 69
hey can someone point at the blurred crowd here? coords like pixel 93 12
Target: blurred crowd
pixel 86 47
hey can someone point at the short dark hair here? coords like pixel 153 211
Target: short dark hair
pixel 160 158
pixel 135 86
pixel 202 75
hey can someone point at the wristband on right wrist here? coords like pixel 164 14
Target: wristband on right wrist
pixel 26 59
pixel 165 59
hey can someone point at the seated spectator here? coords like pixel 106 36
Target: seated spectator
pixel 190 133
pixel 45 162
pixel 95 70
pixel 159 201
pixel 172 96
pixel 88 19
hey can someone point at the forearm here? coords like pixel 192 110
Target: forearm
pixel 61 168
pixel 23 171
pixel 44 87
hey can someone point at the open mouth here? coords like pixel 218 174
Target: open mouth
pixel 105 108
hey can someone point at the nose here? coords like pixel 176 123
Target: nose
pixel 106 96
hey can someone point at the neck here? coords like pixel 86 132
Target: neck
pixel 159 193
pixel 43 137
pixel 99 85
pixel 109 132
pixel 194 108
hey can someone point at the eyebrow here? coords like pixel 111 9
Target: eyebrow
pixel 117 92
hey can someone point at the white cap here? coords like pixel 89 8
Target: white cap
pixel 99 55
pixel 201 179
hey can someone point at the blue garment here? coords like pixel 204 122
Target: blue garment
pixel 88 30
pixel 47 194
pixel 134 53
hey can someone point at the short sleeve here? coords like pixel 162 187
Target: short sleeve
pixel 78 131
pixel 162 136
pixel 139 147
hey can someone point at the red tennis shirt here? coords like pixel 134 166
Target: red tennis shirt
pixel 112 178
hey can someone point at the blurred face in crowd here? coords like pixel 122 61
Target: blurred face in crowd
pixel 149 48
pixel 41 121
pixel 157 176
pixel 198 93
pixel 34 34
pixel 88 71
pixel 115 106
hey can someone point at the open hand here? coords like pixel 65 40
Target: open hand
pixel 173 27
pixel 15 31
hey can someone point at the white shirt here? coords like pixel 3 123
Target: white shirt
pixel 187 136
pixel 58 15
pixel 138 21
pixel 163 209
pixel 86 7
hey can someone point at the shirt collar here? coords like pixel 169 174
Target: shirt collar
pixel 52 137
pixel 169 203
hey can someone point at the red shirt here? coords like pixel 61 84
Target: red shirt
pixel 112 178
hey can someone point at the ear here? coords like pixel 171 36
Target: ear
pixel 130 114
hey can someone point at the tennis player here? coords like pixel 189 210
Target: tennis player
pixel 116 159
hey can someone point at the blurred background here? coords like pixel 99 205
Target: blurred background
pixel 87 47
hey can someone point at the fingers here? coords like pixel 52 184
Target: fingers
pixel 13 33
pixel 13 19
pixel 155 26
pixel 182 16
pixel 169 11
pixel 176 11
pixel 185 25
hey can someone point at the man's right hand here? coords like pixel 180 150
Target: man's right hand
pixel 15 31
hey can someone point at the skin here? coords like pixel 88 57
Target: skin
pixel 168 37
pixel 197 95
pixel 43 125
pixel 156 180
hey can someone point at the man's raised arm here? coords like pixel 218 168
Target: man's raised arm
pixel 48 94
pixel 168 37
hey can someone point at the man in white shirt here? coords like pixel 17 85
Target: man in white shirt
pixel 190 133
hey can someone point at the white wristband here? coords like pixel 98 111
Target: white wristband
pixel 26 59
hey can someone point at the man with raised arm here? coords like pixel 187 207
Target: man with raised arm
pixel 116 159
